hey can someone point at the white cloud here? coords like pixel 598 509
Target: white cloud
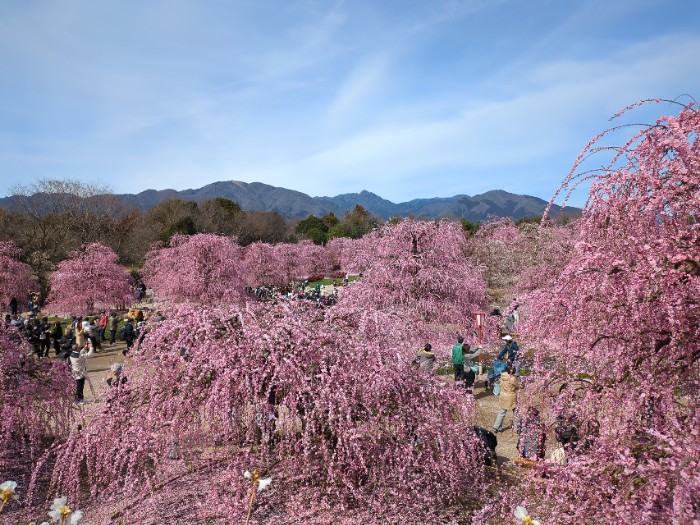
pixel 361 83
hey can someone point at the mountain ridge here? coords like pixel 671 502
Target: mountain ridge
pixel 292 204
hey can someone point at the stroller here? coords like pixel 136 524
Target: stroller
pixel 494 375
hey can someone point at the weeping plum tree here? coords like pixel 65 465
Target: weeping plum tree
pixel 260 266
pixel 35 405
pixel 519 258
pixel 89 281
pixel 327 405
pixel 204 268
pixel 313 259
pixel 350 255
pixel 619 339
pixel 496 246
pixel 15 276
pixel 419 271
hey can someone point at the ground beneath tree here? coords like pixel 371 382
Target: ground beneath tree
pixel 487 408
pixel 99 368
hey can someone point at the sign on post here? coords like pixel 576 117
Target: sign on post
pixel 480 323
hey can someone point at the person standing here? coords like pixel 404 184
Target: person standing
pixel 94 335
pixel 78 361
pixel 66 343
pixel 129 333
pixel 56 334
pixel 104 319
pixel 80 335
pixel 507 400
pixel 531 435
pixel 458 359
pixel 13 307
pixel 113 324
pixel 44 336
pixel 513 318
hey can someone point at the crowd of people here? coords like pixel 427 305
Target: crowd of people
pixel 322 295
pixel 79 339
pixel 503 375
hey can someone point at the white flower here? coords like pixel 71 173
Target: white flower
pixel 520 512
pixel 247 475
pixel 7 491
pixel 522 515
pixel 264 483
pixel 60 511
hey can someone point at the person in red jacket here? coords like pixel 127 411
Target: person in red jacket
pixel 102 324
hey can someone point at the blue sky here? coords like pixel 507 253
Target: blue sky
pixel 404 99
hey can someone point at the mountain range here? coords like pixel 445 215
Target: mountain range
pixel 291 204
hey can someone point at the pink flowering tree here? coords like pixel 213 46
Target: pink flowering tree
pixel 327 405
pixel 419 271
pixel 618 340
pixel 351 255
pixel 545 251
pixel 261 267
pixel 313 259
pixel 35 406
pixel 292 260
pixel 496 248
pixel 15 276
pixel 89 281
pixel 202 268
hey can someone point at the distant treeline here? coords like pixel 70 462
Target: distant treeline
pixel 54 217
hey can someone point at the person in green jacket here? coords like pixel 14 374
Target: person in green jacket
pixel 458 359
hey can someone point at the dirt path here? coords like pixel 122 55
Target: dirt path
pixel 487 408
pixel 99 368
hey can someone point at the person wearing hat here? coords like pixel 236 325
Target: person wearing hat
pixel 114 377
pixel 511 350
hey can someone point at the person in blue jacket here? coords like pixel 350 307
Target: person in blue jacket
pixel 512 351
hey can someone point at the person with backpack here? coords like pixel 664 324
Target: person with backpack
pixel 66 343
